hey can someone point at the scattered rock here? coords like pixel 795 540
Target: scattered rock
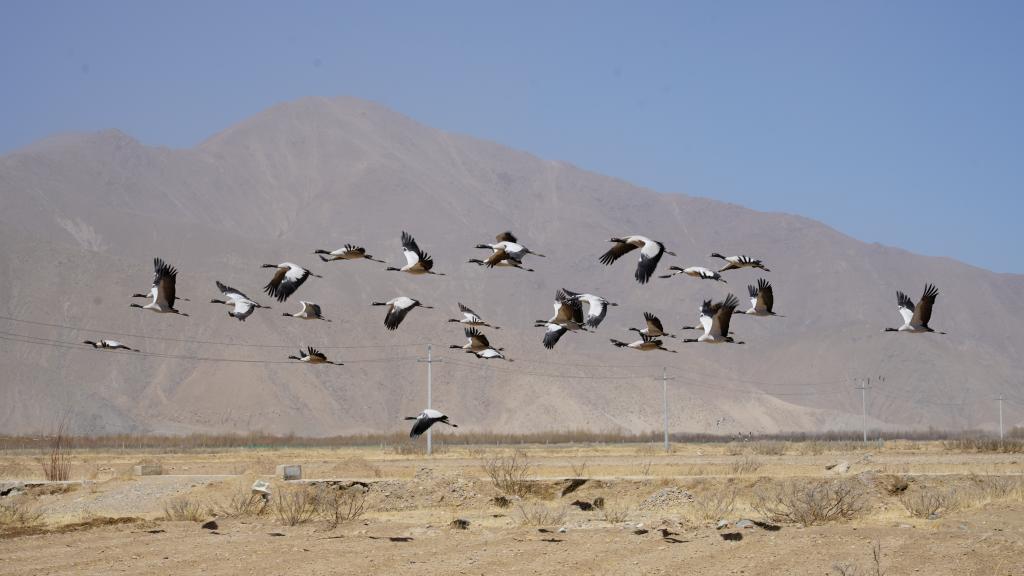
pixel 599 503
pixel 722 524
pixel 563 530
pixel 573 485
pixel 211 525
pixel 744 524
pixel 841 467
pixel 666 498
pixel 732 536
pixel 460 524
pixel 583 505
pixel 640 531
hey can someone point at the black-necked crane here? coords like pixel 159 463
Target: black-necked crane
pixel 715 319
pixel 507 247
pixel 243 305
pixel 645 344
pixel 916 317
pixel 425 420
pixel 397 309
pixel 164 279
pixel 152 291
pixel 108 345
pixel 476 341
pixel 651 252
pixel 310 311
pixel 470 318
pixel 313 356
pixel 597 307
pixel 287 279
pixel 654 327
pixel 499 259
pixel 349 252
pixel 695 272
pixel 737 262
pixel 568 316
pixel 490 354
pixel 417 261
pixel 762 299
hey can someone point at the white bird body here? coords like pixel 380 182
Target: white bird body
pixel 651 252
pixel 489 353
pixel 741 261
pixel 348 252
pixel 916 317
pixel 163 291
pixel 286 280
pixel 699 272
pixel 475 341
pixel 470 318
pixel 645 344
pixel 715 321
pixel 398 308
pixel 507 251
pixel 108 345
pixel 243 306
pixel 654 327
pixel 597 307
pixel 762 299
pixel 310 311
pixel 313 356
pixel 416 261
pixel 425 420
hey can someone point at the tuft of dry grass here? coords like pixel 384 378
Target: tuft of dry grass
pixel 993 445
pixel 810 504
pixel 537 514
pixel 745 465
pixel 184 508
pixel 712 505
pixel 615 511
pixel 15 513
pixel 295 504
pixel 244 503
pixel 579 468
pixel 508 472
pixel 768 448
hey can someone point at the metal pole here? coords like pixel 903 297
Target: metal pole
pixel 1000 417
pixel 430 383
pixel 864 405
pixel 664 402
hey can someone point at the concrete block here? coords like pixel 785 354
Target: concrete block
pixel 289 471
pixel 148 470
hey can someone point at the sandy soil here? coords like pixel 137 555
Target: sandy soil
pixel 411 502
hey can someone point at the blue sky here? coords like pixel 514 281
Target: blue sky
pixel 897 122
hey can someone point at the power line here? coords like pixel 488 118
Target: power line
pixel 193 341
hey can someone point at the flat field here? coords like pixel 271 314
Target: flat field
pixel 897 508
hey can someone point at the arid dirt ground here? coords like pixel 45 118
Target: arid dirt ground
pixel 114 522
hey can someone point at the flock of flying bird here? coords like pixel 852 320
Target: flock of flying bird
pixel 714 318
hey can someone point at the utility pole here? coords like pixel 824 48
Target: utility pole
pixel 664 402
pixel 864 404
pixel 430 362
pixel 1000 399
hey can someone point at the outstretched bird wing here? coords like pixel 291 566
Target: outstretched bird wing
pixel 650 254
pixel 616 252
pixel 923 311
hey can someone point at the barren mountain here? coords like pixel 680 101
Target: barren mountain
pixel 82 216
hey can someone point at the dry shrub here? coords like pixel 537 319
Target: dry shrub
pixel 930 503
pixel 893 484
pixel 734 449
pixel 712 505
pixel 537 514
pixel 809 504
pixel 508 472
pixel 57 462
pixel 15 470
pixel 810 448
pixel 501 501
pixel 340 505
pixel 847 569
pixel 615 511
pixel 184 508
pixel 244 503
pixel 643 467
pixel 745 465
pixel 579 469
pixel 16 513
pixel 994 445
pixel 295 504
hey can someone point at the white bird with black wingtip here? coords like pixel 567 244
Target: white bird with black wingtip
pixel 286 280
pixel 644 344
pixel 568 317
pixel 313 356
pixel 762 299
pixel 698 272
pixel 163 292
pixel 597 307
pixel 243 305
pixel 310 311
pixel 916 317
pixel 108 345
pixel 507 252
pixel 470 318
pixel 425 420
pixel 349 252
pixel 651 252
pixel 737 262
pixel 417 261
pixel 398 308
pixel 654 327
pixel 714 318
